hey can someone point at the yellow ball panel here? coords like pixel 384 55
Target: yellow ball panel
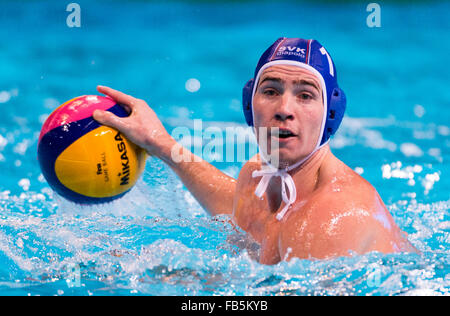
pixel 101 163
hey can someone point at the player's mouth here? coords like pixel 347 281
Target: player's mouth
pixel 283 134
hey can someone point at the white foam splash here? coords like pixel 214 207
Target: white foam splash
pixel 411 150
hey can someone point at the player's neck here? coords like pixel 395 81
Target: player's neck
pixel 306 178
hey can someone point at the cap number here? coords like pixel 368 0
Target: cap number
pixel 330 63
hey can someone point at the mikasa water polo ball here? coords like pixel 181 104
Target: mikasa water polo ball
pixel 84 161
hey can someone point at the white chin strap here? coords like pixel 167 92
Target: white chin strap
pixel 288 189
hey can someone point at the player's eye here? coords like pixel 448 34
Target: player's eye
pixel 270 92
pixel 305 96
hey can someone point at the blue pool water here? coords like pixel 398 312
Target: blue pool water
pixel 157 240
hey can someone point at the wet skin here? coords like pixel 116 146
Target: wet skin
pixel 336 213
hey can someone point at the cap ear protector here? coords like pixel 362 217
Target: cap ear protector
pixel 336 109
pixel 312 54
pixel 247 101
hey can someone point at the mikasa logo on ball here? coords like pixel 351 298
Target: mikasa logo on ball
pixel 125 162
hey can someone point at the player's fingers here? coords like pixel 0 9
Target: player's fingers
pixel 120 97
pixel 109 119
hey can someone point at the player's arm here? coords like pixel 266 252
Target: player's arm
pixel 213 189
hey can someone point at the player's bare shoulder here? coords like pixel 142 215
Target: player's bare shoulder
pixel 344 213
pixel 343 193
pixel 245 203
pixel 245 175
pixel 355 218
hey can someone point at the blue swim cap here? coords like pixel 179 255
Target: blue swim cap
pixel 310 55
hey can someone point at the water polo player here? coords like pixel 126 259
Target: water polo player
pixel 308 205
